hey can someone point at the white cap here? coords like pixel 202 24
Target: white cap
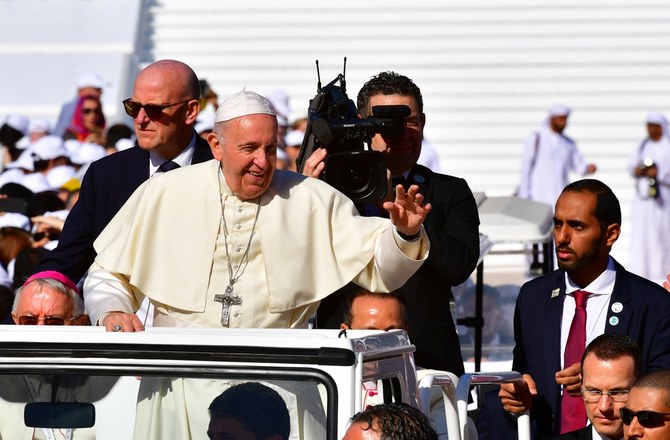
pixel 294 137
pixel 72 146
pixel 23 143
pixel 15 219
pixel 36 182
pixel 61 214
pixel 88 152
pixel 17 122
pixel 38 125
pixel 124 144
pixel 57 176
pixel 49 147
pixel 90 79
pixel 243 103
pixel 205 122
pixel 24 161
pixel 559 110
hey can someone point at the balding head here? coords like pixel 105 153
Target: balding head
pixel 173 86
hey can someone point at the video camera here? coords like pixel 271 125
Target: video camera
pixel 333 122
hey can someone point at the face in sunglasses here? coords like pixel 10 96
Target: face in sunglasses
pixel 42 305
pixel 153 111
pixel 646 414
pixel 648 419
pixel 45 320
pixel 91 110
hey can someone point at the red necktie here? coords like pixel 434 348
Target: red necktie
pixel 573 412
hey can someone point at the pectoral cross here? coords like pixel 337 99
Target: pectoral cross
pixel 227 300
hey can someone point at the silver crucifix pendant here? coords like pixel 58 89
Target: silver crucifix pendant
pixel 227 300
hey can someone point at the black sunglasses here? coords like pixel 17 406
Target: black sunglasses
pixel 648 419
pixel 48 320
pixel 153 111
pixel 86 111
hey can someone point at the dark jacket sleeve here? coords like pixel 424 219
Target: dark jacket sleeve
pixel 74 253
pixel 453 230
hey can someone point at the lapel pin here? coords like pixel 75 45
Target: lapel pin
pixel 555 292
pixel 617 307
pixel 614 320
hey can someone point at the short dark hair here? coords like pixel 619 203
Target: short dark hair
pixel 396 421
pixel 608 209
pixel 658 380
pixel 610 346
pixel 259 408
pixel 348 309
pixel 387 83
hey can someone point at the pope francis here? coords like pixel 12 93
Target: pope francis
pixel 235 243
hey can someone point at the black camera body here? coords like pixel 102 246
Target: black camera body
pixel 333 123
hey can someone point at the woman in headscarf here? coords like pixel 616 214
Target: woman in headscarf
pixel 88 122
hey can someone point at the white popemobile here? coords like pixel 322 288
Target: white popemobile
pixel 82 382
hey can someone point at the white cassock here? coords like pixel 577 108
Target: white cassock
pixel 167 243
pixel 650 232
pixel 546 161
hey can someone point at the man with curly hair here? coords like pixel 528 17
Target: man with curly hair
pixel 390 421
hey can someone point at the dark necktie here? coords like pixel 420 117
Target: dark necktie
pixel 573 412
pixel 398 180
pixel 167 166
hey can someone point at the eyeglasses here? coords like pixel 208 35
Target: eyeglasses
pixel 153 111
pixel 648 419
pixel 87 111
pixel 594 396
pixel 48 320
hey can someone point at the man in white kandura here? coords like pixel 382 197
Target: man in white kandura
pixel 232 242
pixel 548 157
pixel 650 165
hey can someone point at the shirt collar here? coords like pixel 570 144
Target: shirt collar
pixel 183 159
pixel 598 436
pixel 603 285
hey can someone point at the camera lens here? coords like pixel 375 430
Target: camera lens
pixel 356 177
pixel 361 176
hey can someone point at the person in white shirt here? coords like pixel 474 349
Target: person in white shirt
pixel 650 166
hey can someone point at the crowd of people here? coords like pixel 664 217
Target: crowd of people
pixel 87 238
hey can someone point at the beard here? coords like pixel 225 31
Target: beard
pixel 583 261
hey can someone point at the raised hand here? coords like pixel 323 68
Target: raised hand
pixel 408 211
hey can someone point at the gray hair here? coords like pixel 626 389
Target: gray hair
pixel 77 301
pixel 219 130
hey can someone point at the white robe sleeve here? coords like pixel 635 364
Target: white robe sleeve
pixel 577 162
pixel 396 260
pixel 105 292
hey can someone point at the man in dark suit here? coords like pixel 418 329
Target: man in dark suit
pixel 587 222
pixel 452 226
pixel 610 366
pixel 164 107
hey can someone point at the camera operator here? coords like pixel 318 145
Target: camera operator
pixel 452 226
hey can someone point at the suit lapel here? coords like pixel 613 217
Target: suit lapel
pixel 554 318
pixel 137 169
pixel 619 310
